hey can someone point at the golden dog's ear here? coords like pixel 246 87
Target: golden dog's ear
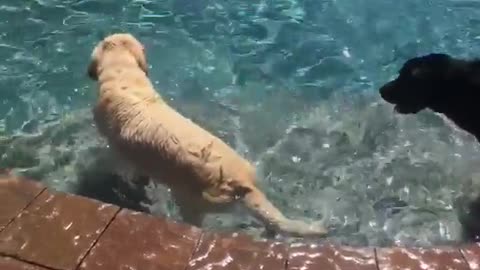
pixel 139 52
pixel 92 69
pixel 143 65
pixel 136 49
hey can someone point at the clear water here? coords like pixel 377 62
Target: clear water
pixel 291 84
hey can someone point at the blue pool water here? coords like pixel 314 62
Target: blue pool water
pixel 291 84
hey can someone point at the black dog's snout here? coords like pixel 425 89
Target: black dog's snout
pixel 386 92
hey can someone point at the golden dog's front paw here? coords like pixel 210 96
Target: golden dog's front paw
pixel 301 228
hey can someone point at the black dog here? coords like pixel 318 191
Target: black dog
pixel 441 83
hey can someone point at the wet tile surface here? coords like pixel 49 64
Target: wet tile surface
pixel 326 257
pixel 4 172
pixel 138 241
pixel 56 230
pixel 15 195
pixel 11 264
pixel 422 259
pixel 237 252
pixel 472 255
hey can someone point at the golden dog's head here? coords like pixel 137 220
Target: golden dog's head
pixel 122 41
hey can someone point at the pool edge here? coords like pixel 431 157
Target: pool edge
pixel 45 229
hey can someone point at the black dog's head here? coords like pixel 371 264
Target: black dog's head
pixel 418 84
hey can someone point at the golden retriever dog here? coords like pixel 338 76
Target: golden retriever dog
pixel 204 174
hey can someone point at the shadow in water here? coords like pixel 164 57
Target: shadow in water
pixel 470 220
pixel 110 188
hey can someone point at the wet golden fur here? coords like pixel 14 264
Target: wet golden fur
pixel 203 172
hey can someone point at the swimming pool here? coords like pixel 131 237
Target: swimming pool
pixel 292 85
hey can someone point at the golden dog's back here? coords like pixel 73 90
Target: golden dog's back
pixel 158 139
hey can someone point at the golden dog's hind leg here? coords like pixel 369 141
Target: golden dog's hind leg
pixel 256 201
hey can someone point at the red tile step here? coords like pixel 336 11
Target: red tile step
pixel 13 264
pixel 328 256
pixel 15 194
pixel 42 229
pixel 472 254
pixel 56 230
pixel 442 258
pixel 237 252
pixel 138 241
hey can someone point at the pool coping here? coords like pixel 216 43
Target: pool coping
pixel 43 229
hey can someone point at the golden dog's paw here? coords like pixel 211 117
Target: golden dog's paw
pixel 301 228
